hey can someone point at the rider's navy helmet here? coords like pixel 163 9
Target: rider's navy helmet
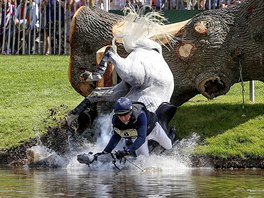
pixel 122 106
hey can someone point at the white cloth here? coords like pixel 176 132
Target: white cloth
pixel 158 135
pixel 150 102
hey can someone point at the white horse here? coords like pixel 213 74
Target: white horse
pixel 145 75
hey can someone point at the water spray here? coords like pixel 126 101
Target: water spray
pixel 134 164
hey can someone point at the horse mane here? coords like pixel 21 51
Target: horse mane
pixel 144 30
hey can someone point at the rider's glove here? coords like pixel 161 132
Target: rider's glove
pixel 120 154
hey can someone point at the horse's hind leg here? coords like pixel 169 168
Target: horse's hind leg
pixel 88 106
pixel 108 94
pixel 97 95
pixel 88 110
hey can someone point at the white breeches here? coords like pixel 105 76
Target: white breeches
pixel 158 135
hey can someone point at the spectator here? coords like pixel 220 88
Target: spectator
pixel 45 27
pixel 180 4
pixel 230 3
pixel 53 11
pixel 26 21
pixel 212 4
pixel 158 4
pixel 7 26
pixel 200 5
pixel 225 3
pixel 234 3
pixel 117 4
pixel 75 5
pixel 34 25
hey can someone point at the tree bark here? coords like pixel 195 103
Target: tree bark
pixel 215 49
pixel 91 29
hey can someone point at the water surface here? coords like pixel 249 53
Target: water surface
pixel 153 182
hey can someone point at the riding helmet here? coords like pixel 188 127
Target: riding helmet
pixel 122 106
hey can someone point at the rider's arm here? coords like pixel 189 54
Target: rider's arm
pixel 142 123
pixel 112 143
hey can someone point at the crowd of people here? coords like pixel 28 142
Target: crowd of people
pixel 180 4
pixel 42 26
pixel 26 23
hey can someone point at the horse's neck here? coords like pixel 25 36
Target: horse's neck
pixel 149 45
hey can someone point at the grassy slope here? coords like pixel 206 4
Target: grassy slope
pixel 226 126
pixel 31 85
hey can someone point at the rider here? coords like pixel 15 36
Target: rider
pixel 133 121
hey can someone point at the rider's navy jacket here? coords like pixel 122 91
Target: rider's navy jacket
pixel 138 121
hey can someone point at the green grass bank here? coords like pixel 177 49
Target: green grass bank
pixel 32 85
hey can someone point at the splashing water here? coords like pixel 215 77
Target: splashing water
pixel 105 126
pixel 178 158
pixel 41 156
pixel 171 161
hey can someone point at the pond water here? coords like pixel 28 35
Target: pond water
pixel 162 175
pixel 83 181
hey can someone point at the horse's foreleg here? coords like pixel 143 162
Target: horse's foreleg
pixel 122 65
pixel 102 56
pixel 97 75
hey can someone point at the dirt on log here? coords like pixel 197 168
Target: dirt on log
pixel 215 49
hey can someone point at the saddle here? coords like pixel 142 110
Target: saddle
pixel 165 113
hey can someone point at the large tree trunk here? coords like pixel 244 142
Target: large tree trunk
pixel 216 49
pixel 91 29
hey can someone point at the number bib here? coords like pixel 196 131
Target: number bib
pixel 126 133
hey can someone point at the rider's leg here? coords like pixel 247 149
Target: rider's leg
pixel 160 136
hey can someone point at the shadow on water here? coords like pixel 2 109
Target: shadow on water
pixel 208 120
